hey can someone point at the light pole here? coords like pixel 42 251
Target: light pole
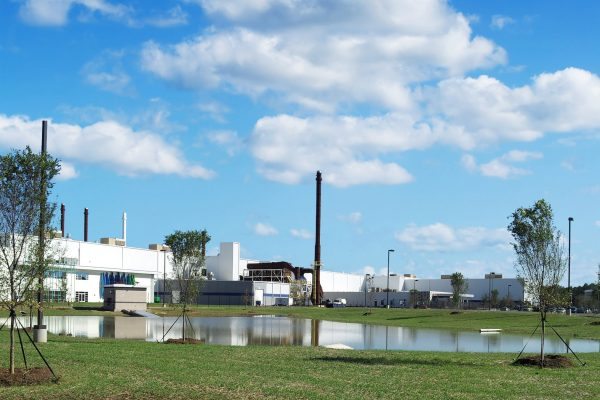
pixel 387 293
pixel 366 282
pixel 569 273
pixel 415 293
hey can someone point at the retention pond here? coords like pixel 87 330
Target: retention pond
pixel 284 331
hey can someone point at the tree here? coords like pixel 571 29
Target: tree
pixel 494 300
pixel 540 258
pixel 459 286
pixel 188 263
pixel 26 181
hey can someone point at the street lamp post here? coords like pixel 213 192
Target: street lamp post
pixel 415 293
pixel 387 293
pixel 569 273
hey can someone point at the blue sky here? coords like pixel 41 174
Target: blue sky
pixel 431 121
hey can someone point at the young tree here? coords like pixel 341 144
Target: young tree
pixel 25 217
pixel 540 259
pixel 188 262
pixel 494 300
pixel 459 286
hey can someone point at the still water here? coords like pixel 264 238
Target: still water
pixel 276 331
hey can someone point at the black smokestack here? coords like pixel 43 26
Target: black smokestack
pixel 44 136
pixel 317 269
pixel 62 219
pixel 85 224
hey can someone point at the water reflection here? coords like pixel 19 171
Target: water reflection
pixel 278 331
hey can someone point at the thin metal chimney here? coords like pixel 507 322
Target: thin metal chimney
pixel 85 224
pixel 317 263
pixel 39 330
pixel 125 228
pixel 62 219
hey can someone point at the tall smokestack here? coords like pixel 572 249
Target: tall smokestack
pixel 125 227
pixel 317 264
pixel 85 224
pixel 44 136
pixel 39 330
pixel 62 219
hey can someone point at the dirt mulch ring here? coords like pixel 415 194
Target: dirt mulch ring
pixel 455 312
pixel 550 361
pixel 595 323
pixel 186 341
pixel 23 377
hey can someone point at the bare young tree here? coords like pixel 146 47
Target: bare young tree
pixel 459 286
pixel 540 259
pixel 26 181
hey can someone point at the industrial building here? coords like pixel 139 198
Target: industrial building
pixel 85 268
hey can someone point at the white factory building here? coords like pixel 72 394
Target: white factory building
pixel 84 268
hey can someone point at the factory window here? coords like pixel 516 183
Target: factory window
pixel 82 276
pixel 55 274
pixel 81 297
pixel 53 296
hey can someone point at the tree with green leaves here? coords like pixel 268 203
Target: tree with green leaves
pixel 188 263
pixel 459 286
pixel 25 216
pixel 540 259
pixel 494 300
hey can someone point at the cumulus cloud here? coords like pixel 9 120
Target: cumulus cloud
pixel 108 143
pixel 407 60
pixel 301 234
pixel 56 12
pixel 290 148
pixel 501 21
pixel 440 237
pixel 501 167
pixel 319 54
pixel 264 229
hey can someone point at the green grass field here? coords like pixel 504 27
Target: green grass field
pixel 125 369
pixel 111 369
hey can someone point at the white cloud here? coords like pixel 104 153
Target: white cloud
pixel 354 217
pixel 107 143
pixel 67 171
pixel 474 112
pixel 264 229
pixel 501 21
pixel 320 54
pixel 501 167
pixel 301 234
pixel 441 237
pixel 326 56
pixel 289 149
pixel 56 12
pixel 598 223
pixel 216 110
pixel 106 73
pixel 173 17
pixel 229 140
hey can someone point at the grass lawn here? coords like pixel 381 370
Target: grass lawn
pixel 113 369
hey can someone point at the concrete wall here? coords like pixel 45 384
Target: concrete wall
pixel 117 298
